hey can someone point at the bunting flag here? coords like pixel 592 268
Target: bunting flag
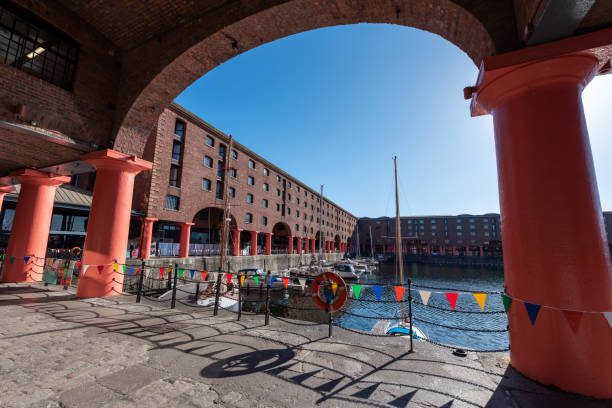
pixel 124 268
pixel 377 291
pixel 399 292
pixel 256 279
pixel 169 269
pixel 78 265
pixel 12 259
pixel 573 318
pixel 452 299
pixel 242 277
pixel 161 273
pixel 532 310
pixel 131 271
pixel 181 271
pixel 302 283
pixel 608 316
pixel 506 300
pixel 192 272
pixel 204 273
pixel 229 277
pixel 425 294
pixel 100 268
pixel 272 279
pixel 356 290
pixel 2 257
pixel 285 281
pixel 85 269
pixel 116 267
pixel 481 298
pixel 334 288
pixel 26 259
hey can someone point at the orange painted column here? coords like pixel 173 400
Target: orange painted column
pixel 299 244
pixel 555 247
pixel 481 251
pixel 147 236
pixel 268 236
pixel 185 238
pixel 289 244
pixel 306 243
pixel 253 242
pixel 454 250
pixel 236 242
pixel 312 245
pixel 109 221
pixel 4 190
pixel 30 232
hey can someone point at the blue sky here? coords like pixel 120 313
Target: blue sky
pixel 332 106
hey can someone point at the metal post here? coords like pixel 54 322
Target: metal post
pixel 197 292
pixel 169 282
pixel 239 298
pixel 173 303
pixel 140 280
pixel 331 319
pixel 218 289
pixel 267 298
pixel 410 310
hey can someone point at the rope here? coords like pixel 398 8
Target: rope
pixel 458 311
pixel 460 328
pixel 457 290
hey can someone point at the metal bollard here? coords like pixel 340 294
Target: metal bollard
pixel 239 298
pixel 410 311
pixel 267 298
pixel 218 289
pixel 197 292
pixel 331 320
pixel 140 280
pixel 173 303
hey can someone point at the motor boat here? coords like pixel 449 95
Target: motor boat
pixel 347 271
pixel 403 329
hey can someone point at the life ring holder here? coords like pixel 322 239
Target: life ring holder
pixel 324 280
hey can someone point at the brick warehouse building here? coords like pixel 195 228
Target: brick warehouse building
pixel 271 211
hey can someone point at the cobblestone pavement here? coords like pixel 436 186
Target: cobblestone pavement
pixel 59 351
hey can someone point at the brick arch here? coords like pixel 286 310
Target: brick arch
pixel 175 63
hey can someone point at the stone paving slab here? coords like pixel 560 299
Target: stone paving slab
pixel 59 351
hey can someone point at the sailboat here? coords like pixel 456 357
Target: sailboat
pixel 405 326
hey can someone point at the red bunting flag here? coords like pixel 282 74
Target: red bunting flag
pixel 204 273
pixel 573 318
pixel 100 267
pixel 452 299
pixel 229 277
pixel 285 281
pixel 399 292
pixel 137 271
pixel 161 273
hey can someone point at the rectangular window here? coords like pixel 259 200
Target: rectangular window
pixel 264 203
pixel 472 227
pixel 232 192
pixel 473 233
pixel 248 218
pixel 249 198
pixel 266 187
pixel 172 202
pixel 297 188
pixel 222 150
pixel 433 227
pixel 486 234
pixel 266 172
pixel 179 128
pixel 208 161
pixel 251 181
pixel 459 227
pixel 278 207
pixel 459 233
pixel 264 220
pixel 297 213
pixel 297 200
pixel 220 169
pixel 289 184
pixel 234 155
pixel 175 176
pixel 219 190
pixel 233 173
pixel 31 45
pixel 176 150
pixel 206 184
pixel 251 164
pixel 277 178
pixel 288 211
pixel 278 192
pixel 210 141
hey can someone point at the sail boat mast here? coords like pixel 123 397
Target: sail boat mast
pixel 398 235
pixel 320 224
pixel 226 213
pixel 358 249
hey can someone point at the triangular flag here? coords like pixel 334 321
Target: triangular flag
pixel 285 281
pixel 12 259
pixel 481 299
pixel 608 316
pixel 377 291
pixel 192 271
pixel 573 318
pixel 26 259
pixel 334 288
pixel 242 277
pixel 131 271
pixel 169 269
pixel 124 268
pixel 272 279
pixel 302 283
pixel 256 279
pixel 229 277
pixel 137 271
pixel 425 294
pixel 100 268
pixel 2 257
pixel 399 292
pixel 161 273
pixel 452 299
pixel 116 267
pixel 204 273
pixel 506 300
pixel 356 290
pixel 181 271
pixel 532 311
pixel 85 269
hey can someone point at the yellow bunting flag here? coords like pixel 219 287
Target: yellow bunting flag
pixel 241 280
pixel 116 267
pixel 480 298
pixel 334 287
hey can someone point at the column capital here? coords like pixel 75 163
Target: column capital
pixel 148 219
pixel 29 176
pixel 187 224
pixel 113 160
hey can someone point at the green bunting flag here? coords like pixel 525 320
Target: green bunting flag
pixel 256 279
pixel 181 271
pixel 506 300
pixel 124 268
pixel 12 259
pixel 356 290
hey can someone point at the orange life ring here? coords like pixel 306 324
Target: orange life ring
pixel 326 279
pixel 76 251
